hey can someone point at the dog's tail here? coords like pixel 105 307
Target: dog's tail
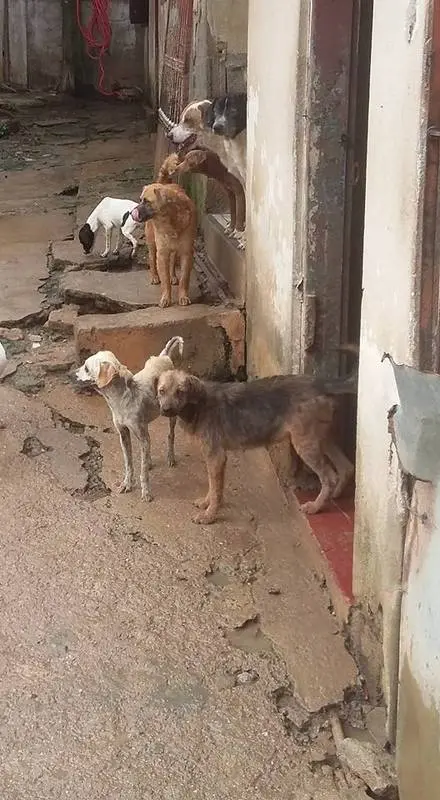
pixel 347 384
pixel 176 341
pixel 168 169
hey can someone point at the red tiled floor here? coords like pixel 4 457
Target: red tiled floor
pixel 333 529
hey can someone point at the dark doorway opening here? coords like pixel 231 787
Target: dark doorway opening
pixel 341 36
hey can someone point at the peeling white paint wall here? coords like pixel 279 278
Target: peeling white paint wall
pixel 418 734
pixel 271 193
pixel 395 171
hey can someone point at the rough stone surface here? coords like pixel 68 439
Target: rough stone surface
pixel 374 766
pixel 56 356
pixel 136 335
pixel 11 334
pixel 36 227
pixel 24 187
pixel 115 641
pixel 22 268
pixel 62 319
pixel 116 291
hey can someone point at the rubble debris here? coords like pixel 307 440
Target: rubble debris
pixel 32 447
pixel 11 334
pixel 366 760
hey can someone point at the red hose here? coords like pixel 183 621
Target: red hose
pixel 97 35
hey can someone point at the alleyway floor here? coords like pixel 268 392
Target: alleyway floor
pixel 141 656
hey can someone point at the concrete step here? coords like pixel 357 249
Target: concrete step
pixel 224 255
pixel 214 337
pixel 117 291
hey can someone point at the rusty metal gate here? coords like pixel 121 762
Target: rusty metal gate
pixel 176 62
pixel 429 344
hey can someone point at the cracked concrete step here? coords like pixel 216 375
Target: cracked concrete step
pixel 214 336
pixel 23 267
pixel 116 291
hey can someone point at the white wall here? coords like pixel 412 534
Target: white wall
pixel 271 195
pixel 395 167
pixel 418 735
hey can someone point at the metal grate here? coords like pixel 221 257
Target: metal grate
pixel 176 62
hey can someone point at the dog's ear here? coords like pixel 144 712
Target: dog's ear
pixel 193 388
pixel 159 196
pixel 106 374
pixel 206 108
pixel 141 196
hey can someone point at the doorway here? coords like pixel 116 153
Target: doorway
pixel 339 75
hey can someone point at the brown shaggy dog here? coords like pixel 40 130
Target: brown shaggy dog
pixel 165 173
pixel 173 220
pixel 240 416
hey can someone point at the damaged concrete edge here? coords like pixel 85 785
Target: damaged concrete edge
pixel 234 325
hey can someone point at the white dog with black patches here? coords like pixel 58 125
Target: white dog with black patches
pixel 133 403
pixel 110 213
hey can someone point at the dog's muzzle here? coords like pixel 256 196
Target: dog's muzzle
pixel 167 412
pixel 134 213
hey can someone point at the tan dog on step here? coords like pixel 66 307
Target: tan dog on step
pixel 174 222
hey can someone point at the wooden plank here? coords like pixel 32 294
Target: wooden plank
pixel 17 19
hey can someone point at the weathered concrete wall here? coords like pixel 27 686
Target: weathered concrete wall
pixel 418 732
pixel 125 61
pixel 44 42
pixel 33 56
pixel 395 166
pixel 219 47
pixel 271 193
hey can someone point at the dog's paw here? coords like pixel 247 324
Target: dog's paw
pixel 165 301
pixel 201 502
pixel 104 254
pixel 184 300
pixel 124 487
pixel 146 495
pixel 155 280
pixel 115 251
pixel 311 507
pixel 204 518
pixel 240 238
pixel 171 460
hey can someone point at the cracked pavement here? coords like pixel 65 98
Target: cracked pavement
pixel 143 656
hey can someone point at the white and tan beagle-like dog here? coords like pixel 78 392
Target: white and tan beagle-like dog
pixel 133 403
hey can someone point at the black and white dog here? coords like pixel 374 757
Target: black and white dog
pixel 110 213
pixel 219 125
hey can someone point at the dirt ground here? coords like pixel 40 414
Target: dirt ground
pixel 141 656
